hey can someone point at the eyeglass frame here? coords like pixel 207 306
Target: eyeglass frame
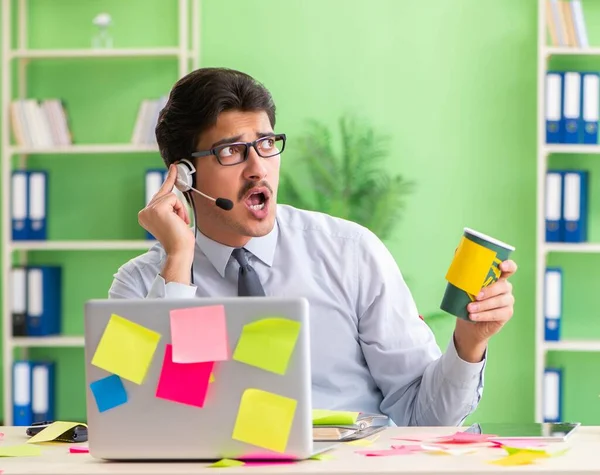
pixel 214 150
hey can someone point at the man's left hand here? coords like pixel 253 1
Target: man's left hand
pixel 490 311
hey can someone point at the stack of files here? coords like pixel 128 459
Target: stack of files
pixel 39 124
pixel 154 180
pixel 565 23
pixel 571 107
pixel 566 206
pixel 36 303
pixel 29 205
pixel 553 307
pixel 33 392
pixel 552 395
pixel 345 425
pixel 147 118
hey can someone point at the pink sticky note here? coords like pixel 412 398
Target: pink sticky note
pixel 517 443
pixel 79 450
pixel 464 438
pixel 418 437
pixel 385 452
pixel 199 334
pixel 266 463
pixel 184 383
pixel 261 456
pixel 410 448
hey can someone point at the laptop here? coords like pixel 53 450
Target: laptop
pixel 538 431
pixel 254 406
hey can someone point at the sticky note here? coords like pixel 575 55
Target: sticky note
pixel 384 452
pixel 325 417
pixel 199 334
pixel 363 442
pixel 519 458
pixel 470 266
pixel 224 463
pixel 464 438
pixel 268 344
pixel 79 449
pixel 20 451
pixel 185 383
pixel 126 349
pixel 211 378
pixel 264 419
pixel 54 430
pixel 108 392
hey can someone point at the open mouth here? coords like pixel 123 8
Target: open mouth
pixel 257 200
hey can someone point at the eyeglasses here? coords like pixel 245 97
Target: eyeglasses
pixel 237 152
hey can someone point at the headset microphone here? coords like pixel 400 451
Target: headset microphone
pixel 184 181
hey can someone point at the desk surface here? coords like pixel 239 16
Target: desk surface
pixel 583 457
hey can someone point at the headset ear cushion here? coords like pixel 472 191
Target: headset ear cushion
pixel 184 177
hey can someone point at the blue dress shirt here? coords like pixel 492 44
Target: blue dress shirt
pixel 370 350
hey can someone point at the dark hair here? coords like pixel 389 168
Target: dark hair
pixel 195 102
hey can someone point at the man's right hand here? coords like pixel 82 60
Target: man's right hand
pixel 166 217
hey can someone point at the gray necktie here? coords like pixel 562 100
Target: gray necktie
pixel 248 282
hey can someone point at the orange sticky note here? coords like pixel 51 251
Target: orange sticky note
pixel 199 334
pixel 470 266
pixel 126 349
pixel 268 343
pixel 264 419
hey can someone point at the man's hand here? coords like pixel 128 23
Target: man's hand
pixel 490 311
pixel 166 218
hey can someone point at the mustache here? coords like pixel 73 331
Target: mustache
pixel 251 184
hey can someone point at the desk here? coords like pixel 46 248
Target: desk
pixel 582 458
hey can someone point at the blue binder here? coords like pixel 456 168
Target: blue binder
pixel 21 380
pixel 553 297
pixel 554 80
pixel 575 205
pixel 553 206
pixel 154 180
pixel 44 300
pixel 571 108
pixel 590 90
pixel 552 395
pixel 42 399
pixel 19 205
pixel 38 204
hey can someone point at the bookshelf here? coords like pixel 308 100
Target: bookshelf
pixel 547 50
pixel 16 59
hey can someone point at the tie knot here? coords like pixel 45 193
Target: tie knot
pixel 240 255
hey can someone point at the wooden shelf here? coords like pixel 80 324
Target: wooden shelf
pixel 584 247
pixel 58 341
pixel 572 148
pixel 565 50
pixel 572 345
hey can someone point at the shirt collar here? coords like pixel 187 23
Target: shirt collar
pixel 218 254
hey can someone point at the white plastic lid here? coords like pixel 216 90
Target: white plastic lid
pixel 485 237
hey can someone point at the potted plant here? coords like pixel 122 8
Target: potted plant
pixel 352 182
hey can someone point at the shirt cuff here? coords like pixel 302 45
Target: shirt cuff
pixel 173 290
pixel 461 373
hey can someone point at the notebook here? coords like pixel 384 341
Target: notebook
pixel 346 425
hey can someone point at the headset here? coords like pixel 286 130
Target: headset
pixel 185 183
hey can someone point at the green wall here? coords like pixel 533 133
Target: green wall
pixel 455 86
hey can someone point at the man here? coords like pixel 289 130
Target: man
pixel 370 350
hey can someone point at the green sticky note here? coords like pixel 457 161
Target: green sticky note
pixel 223 463
pixel 264 419
pixel 20 451
pixel 126 349
pixel 323 417
pixel 268 344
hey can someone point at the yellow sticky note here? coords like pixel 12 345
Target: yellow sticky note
pixel 224 463
pixel 211 378
pixel 363 442
pixel 322 457
pixel 519 458
pixel 53 431
pixel 325 417
pixel 268 344
pixel 264 419
pixel 126 349
pixel 20 451
pixel 470 266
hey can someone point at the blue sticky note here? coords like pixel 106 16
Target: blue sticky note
pixel 109 392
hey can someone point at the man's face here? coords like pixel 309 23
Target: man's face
pixel 250 185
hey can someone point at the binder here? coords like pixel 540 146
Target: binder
pixel 22 411
pixel 575 205
pixel 552 395
pixel 589 105
pixel 553 206
pixel 154 180
pixel 19 205
pixel 553 106
pixel 19 300
pixel 38 204
pixel 552 303
pixel 42 398
pixel 571 110
pixel 44 300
